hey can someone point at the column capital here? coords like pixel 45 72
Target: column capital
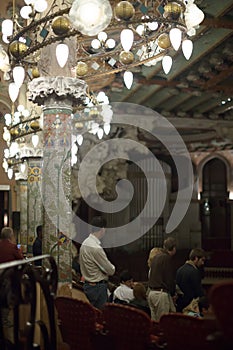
pixel 44 90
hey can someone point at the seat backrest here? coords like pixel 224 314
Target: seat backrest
pixel 77 322
pixel 221 300
pixel 128 327
pixel 185 332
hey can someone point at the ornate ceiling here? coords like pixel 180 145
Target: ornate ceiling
pixel 197 95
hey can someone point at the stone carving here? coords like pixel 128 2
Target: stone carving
pixel 66 89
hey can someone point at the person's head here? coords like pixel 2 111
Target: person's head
pixel 7 233
pixel 39 231
pixel 126 278
pixel 139 291
pixel 204 305
pixel 170 245
pixel 98 224
pixel 197 256
pixel 154 251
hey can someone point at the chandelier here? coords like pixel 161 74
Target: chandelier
pixel 111 36
pixel 24 126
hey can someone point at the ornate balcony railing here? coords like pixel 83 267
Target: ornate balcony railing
pixel 21 287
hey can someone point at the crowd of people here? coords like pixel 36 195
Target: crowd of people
pixel 167 290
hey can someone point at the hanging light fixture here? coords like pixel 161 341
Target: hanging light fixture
pixel 13 91
pixel 128 79
pixel 62 54
pixel 90 16
pixel 175 35
pixel 111 22
pixel 187 48
pixel 18 75
pixel 127 39
pixel 35 140
pixel 167 64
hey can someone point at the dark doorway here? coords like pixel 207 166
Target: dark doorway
pixel 214 208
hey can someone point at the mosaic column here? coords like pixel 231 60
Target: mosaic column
pixel 34 202
pixel 57 96
pixel 23 189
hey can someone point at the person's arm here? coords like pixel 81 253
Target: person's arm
pixel 18 255
pixel 102 261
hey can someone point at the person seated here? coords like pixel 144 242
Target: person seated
pixel 123 294
pixel 205 307
pixel 140 299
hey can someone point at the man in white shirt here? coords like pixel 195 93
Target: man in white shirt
pixel 124 293
pixel 94 264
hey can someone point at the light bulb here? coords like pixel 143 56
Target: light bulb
pixel 80 139
pixel 167 64
pixel 62 54
pixel 25 113
pixel 193 16
pixel 127 37
pixel 90 17
pixel 35 140
pixel 152 25
pixel 14 148
pixel 5 39
pixel 140 29
pixel 20 108
pixel 95 44
pixel 7 27
pixel 107 128
pixel 6 153
pixel 40 5
pixel 187 48
pixel 128 79
pixel 110 43
pixel 175 36
pixel 25 12
pixel 10 173
pixel 18 75
pixel 7 119
pixel 100 133
pixel 102 36
pixel 13 91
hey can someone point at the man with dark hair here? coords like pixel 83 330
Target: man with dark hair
pixel 188 278
pixel 8 248
pixel 94 264
pixel 123 294
pixel 162 284
pixel 37 245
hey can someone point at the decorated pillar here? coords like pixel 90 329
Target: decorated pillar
pixel 57 95
pixel 34 202
pixel 23 189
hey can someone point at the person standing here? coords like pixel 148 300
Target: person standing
pixel 188 278
pixel 8 247
pixel 37 245
pixel 162 285
pixel 94 264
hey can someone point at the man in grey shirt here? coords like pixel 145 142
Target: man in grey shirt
pixel 94 264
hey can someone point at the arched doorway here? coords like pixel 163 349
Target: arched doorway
pixel 215 209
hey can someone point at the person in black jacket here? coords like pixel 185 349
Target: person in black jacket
pixel 188 278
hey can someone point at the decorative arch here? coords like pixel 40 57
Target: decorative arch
pixel 215 210
pixel 202 164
